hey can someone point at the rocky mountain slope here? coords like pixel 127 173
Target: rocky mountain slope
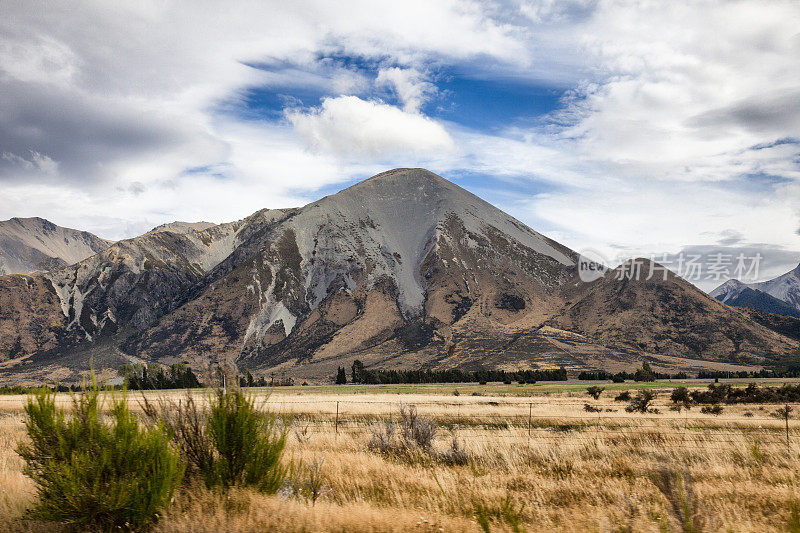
pixel 668 316
pixel 182 227
pixel 30 244
pixel 780 295
pixel 401 270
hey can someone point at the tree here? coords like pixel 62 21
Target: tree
pixel 645 373
pixel 594 391
pixel 680 396
pixel 641 402
pixel 357 372
pixel 341 376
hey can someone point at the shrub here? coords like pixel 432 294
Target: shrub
pixel 782 413
pixel 230 443
pixel 624 396
pixel 96 473
pixel 455 454
pixel 641 402
pixel 715 409
pixel 591 409
pixel 681 398
pixel 594 391
pixel 413 437
pixel 416 430
pixel 309 482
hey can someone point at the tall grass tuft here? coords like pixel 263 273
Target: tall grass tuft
pixel 94 472
pixel 683 504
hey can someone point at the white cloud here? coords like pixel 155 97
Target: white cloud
pixel 351 127
pixel 668 135
pixel 410 85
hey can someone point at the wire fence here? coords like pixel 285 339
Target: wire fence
pixel 568 426
pixel 546 419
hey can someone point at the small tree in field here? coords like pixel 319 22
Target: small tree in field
pixel 641 402
pixel 97 473
pixel 680 397
pixel 248 443
pixel 594 391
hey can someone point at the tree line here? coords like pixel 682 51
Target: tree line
pixel 359 374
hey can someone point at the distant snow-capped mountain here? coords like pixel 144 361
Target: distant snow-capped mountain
pixel 780 295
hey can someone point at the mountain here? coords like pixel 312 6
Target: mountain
pixel 787 326
pixel 404 269
pixel 780 295
pixel 30 244
pixel 667 316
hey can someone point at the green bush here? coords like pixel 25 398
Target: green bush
pixel 95 472
pixel 229 443
pixel 248 443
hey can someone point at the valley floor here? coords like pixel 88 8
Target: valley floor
pixel 536 462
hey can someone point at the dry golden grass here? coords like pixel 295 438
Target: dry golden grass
pixel 577 471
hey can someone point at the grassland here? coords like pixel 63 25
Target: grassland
pixel 537 461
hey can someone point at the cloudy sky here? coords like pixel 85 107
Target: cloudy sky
pixel 628 127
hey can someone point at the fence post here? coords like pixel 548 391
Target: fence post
pixel 530 414
pixel 786 412
pixel 337 419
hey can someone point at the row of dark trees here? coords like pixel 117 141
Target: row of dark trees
pixel 359 374
pixel 151 376
pixel 724 393
pixel 646 373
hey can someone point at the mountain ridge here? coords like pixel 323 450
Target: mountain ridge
pixel 34 243
pixel 779 295
pixel 404 269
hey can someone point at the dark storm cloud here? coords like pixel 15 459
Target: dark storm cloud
pixel 79 133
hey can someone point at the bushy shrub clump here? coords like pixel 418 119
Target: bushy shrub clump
pixel 641 402
pixel 413 437
pixel 229 443
pixel 624 396
pixel 751 394
pixel 595 391
pixel 681 398
pixel 97 473
pixel 715 409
